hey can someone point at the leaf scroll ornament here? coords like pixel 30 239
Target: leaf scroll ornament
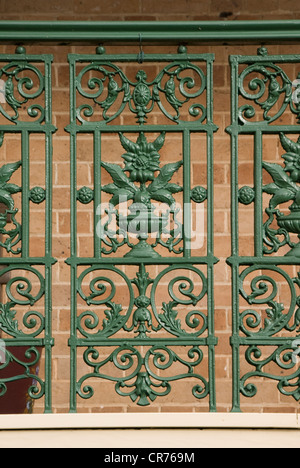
pixel 275 317
pixel 284 188
pixel 268 86
pixel 23 82
pixel 170 320
pixel 6 189
pixel 177 84
pixel 7 214
pixel 264 290
pixel 8 323
pixel 114 320
pixel 122 188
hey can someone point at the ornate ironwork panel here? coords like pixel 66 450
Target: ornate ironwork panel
pixel 142 276
pixel 25 303
pixel 265 259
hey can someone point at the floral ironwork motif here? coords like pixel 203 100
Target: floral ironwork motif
pixel 285 188
pixel 142 162
pixel 11 236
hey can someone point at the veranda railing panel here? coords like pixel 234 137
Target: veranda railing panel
pixel 142 301
pixel 265 276
pixel 25 319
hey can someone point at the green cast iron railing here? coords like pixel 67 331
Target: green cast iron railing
pixel 265 318
pixel 143 337
pixel 124 331
pixel 25 318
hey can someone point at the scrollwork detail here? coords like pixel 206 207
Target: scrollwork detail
pixel 14 82
pixel 264 290
pixel 101 295
pixel 10 325
pixel 22 293
pixel 30 361
pixel 142 384
pixel 141 95
pixel 124 358
pixel 271 80
pixel 19 291
pixel 168 319
pixel 288 385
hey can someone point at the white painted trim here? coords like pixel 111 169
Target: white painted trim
pixel 150 420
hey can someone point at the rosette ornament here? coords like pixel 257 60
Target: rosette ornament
pixel 141 158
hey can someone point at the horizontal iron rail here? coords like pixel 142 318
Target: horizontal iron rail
pixel 287 260
pixel 90 127
pixel 210 259
pixel 186 341
pixel 19 262
pixel 121 31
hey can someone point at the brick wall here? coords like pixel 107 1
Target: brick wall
pixel 268 399
pixel 167 10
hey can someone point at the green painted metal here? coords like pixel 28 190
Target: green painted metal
pixel 140 336
pixel 266 324
pixel 166 31
pixel 25 110
pixel 265 332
